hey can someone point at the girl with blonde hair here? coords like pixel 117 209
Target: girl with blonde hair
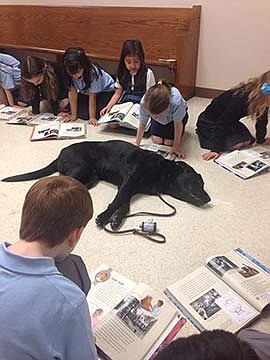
pixel 44 80
pixel 219 126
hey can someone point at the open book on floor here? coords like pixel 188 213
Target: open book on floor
pixel 129 321
pixel 25 119
pixel 227 293
pixel 162 150
pixel 246 163
pixel 125 115
pixel 10 112
pixel 57 130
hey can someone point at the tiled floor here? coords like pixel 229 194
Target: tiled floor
pixel 238 215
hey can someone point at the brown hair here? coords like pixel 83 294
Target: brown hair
pixel 257 104
pixel 158 97
pixel 34 66
pixel 209 345
pixel 53 207
pixel 131 47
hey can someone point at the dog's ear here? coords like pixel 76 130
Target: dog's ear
pixel 185 166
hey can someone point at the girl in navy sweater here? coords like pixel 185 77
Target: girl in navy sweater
pixel 134 77
pixel 219 126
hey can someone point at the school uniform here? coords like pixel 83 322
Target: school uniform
pixel 219 127
pixel 43 314
pixel 163 126
pixel 10 75
pixel 136 88
pixel 61 92
pixel 103 86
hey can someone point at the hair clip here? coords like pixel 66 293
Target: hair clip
pixel 266 89
pixel 160 82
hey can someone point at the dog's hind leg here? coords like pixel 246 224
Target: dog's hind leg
pixel 85 176
pixel 119 215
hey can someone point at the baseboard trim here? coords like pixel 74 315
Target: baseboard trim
pixel 207 93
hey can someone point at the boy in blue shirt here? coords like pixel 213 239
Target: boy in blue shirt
pixel 43 314
pixel 168 112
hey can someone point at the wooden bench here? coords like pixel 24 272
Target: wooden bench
pixel 169 36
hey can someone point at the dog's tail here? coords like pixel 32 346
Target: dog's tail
pixel 46 171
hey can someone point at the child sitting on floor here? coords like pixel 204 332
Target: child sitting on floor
pixel 219 126
pixel 43 80
pixel 90 87
pixel 134 77
pixel 168 111
pixel 10 80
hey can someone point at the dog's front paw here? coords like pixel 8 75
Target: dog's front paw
pixel 102 219
pixel 116 220
pixel 115 223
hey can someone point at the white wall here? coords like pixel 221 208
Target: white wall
pixel 233 39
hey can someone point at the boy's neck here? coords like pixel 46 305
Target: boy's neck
pixel 33 249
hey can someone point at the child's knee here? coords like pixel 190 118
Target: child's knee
pixel 157 140
pixel 168 142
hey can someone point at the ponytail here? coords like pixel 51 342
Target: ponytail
pixel 158 97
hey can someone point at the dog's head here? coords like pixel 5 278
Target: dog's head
pixel 187 185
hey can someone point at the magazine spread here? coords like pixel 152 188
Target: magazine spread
pixel 245 163
pixel 9 112
pixel 162 150
pixel 129 318
pixel 25 119
pixel 125 115
pixel 58 130
pixel 228 292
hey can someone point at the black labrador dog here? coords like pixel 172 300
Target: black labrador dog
pixel 130 168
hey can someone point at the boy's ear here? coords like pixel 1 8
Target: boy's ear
pixel 74 236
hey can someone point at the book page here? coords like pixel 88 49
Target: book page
pixel 72 130
pixel 245 277
pixel 211 302
pixel 245 163
pixel 25 118
pixel 108 288
pixel 131 120
pixel 116 114
pixel 134 324
pixel 9 112
pixel 45 131
pixel 22 119
pixel 162 150
pixel 45 118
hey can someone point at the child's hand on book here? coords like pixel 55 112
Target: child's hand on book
pixel 210 155
pixel 179 153
pixel 68 117
pixel 93 121
pixel 105 110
